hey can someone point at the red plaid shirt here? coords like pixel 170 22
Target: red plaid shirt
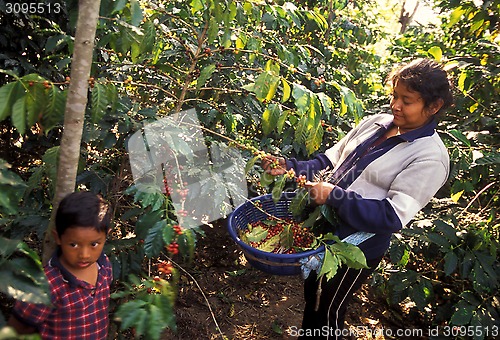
pixel 78 311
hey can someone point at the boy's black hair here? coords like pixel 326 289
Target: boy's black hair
pixel 427 77
pixel 82 209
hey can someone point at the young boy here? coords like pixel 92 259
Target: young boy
pixel 79 275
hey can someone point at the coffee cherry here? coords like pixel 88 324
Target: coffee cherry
pixel 177 229
pixel 173 248
pixel 290 174
pixel 301 181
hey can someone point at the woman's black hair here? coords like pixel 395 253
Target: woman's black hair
pixel 426 77
pixel 82 209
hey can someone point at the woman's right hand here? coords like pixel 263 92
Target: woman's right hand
pixel 273 165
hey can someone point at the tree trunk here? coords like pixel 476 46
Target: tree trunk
pixel 69 150
pixel 405 18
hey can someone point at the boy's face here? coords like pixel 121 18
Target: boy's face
pixel 81 247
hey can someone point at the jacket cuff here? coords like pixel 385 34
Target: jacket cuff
pixel 336 197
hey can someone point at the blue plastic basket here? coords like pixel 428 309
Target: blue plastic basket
pixel 278 264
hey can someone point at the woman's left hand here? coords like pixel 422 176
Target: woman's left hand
pixel 319 191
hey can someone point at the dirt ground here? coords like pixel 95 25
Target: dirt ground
pixel 223 297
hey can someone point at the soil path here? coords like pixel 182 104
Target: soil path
pixel 246 303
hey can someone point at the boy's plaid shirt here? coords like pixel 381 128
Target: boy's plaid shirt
pixel 78 311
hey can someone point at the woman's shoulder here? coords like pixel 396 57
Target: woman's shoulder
pixel 375 119
pixel 379 118
pixel 431 148
pixel 373 122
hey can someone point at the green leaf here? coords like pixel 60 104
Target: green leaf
pixel 36 99
pixel 282 121
pixel 326 103
pixel 9 94
pixel 163 312
pixel 205 74
pixel 24 280
pixel 112 94
pixel 349 254
pixel 266 179
pixel 487 262
pixel 168 234
pixel 19 115
pixel 9 180
pixel 187 244
pixel 99 101
pixel 456 15
pixel 450 262
pixel 299 202
pixel 155 199
pixel 130 312
pixel 462 314
pixel 302 98
pixel 23 289
pixel 470 298
pixel 286 90
pixel 311 219
pixel 314 138
pixel 301 130
pixel 148 40
pixel 276 327
pixel 270 118
pixel 270 244
pixel 404 280
pixel 436 52
pixel 54 111
pixel 251 163
pixel 399 254
pixel 278 187
pixel 213 30
pixel 492 158
pixel 136 13
pixel 257 234
pixel 50 160
pixel 8 246
pixel 438 239
pixel 458 135
pixel 330 265
pixel 57 42
pixel 481 281
pixel 154 243
pixel 141 323
pixel 265 86
pixel 145 221
pixel 449 231
pixel 286 236
pixel 421 293
pixel 330 214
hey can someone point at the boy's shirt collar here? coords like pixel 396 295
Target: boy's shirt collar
pixel 71 279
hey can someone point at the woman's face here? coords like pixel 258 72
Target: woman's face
pixel 408 108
